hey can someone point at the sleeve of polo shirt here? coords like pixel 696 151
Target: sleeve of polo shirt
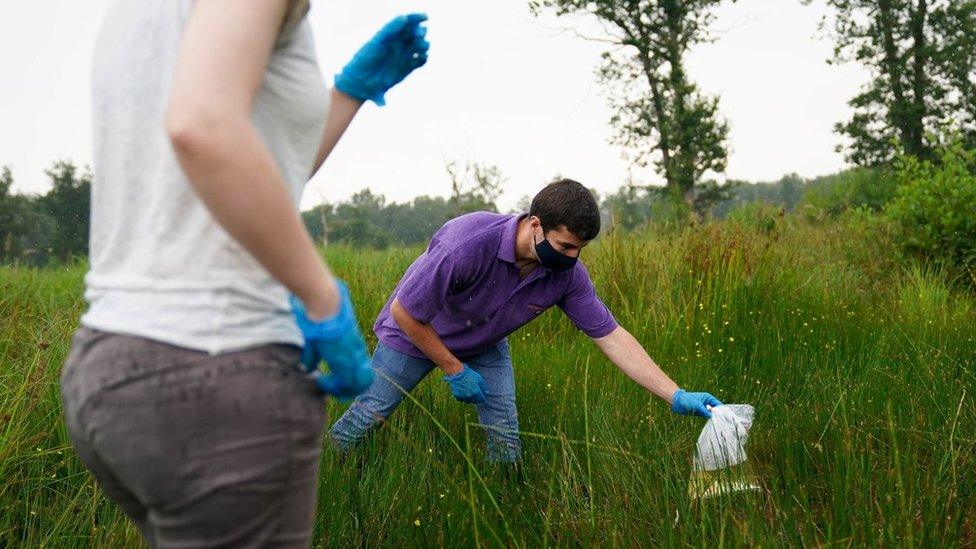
pixel 424 292
pixel 584 308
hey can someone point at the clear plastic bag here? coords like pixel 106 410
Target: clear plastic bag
pixel 720 465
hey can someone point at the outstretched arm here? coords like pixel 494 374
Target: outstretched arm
pixel 624 351
pixel 628 355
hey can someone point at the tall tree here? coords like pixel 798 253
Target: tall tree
pixel 660 116
pixel 360 221
pixel 476 187
pixel 68 203
pixel 922 58
pixel 8 215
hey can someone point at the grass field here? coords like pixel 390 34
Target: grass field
pixel 862 369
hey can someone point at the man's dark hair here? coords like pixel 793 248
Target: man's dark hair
pixel 567 202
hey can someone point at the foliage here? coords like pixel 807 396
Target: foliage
pixel 922 59
pixel 68 203
pixel 868 188
pixel 475 187
pixel 36 230
pixel 935 208
pixel 629 207
pixel 861 373
pixel 785 192
pixel 758 215
pixel 660 116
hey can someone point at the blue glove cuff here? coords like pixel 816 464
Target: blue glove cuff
pixel 350 87
pixel 675 399
pixel 459 375
pixel 330 328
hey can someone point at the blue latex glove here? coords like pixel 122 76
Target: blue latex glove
pixel 467 385
pixel 337 341
pixel 396 50
pixel 693 404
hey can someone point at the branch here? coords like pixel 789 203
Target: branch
pixel 617 41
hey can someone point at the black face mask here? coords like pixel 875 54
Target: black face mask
pixel 550 258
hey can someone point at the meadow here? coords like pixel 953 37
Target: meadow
pixel 861 365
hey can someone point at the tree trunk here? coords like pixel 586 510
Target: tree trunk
pixel 900 109
pixel 683 148
pixel 664 143
pixel 325 228
pixel 919 62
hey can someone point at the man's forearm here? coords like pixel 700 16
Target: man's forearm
pixel 426 339
pixel 627 354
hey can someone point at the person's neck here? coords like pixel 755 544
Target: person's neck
pixel 524 257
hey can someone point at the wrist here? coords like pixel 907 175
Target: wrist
pixel 329 328
pixel 674 400
pixel 356 90
pixel 453 368
pixel 340 95
pixel 324 303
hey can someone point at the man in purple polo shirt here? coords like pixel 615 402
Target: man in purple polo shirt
pixel 483 276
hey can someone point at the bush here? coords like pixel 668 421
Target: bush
pixel 934 212
pixel 864 188
pixel 758 215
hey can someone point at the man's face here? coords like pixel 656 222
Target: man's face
pixel 561 239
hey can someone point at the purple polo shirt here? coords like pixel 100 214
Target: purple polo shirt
pixel 466 286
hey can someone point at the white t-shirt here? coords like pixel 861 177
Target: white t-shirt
pixel 161 266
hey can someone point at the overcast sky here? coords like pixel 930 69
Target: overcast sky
pixel 501 87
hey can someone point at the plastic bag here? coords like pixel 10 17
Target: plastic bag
pixel 720 465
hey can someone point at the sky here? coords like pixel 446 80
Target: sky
pixel 501 87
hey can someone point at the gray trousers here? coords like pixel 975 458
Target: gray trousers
pixel 198 450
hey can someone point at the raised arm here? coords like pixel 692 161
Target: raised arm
pixel 342 109
pixel 381 63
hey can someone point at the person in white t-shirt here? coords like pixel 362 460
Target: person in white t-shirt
pixel 192 391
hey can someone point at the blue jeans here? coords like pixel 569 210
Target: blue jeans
pixel 393 368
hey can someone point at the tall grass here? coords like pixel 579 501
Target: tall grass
pixel 862 371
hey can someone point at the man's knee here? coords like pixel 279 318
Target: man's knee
pixel 502 433
pixel 353 425
pixel 503 443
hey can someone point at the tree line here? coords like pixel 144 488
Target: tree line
pixel 918 108
pixel 921 56
pixel 53 227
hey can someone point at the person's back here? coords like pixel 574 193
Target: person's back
pixel 193 391
pixel 161 266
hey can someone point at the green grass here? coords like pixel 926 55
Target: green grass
pixel 862 371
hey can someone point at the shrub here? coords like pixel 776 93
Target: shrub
pixel 758 215
pixel 865 188
pixel 934 212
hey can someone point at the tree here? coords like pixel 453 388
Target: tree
pixel 628 207
pixel 922 58
pixel 316 222
pixel 523 204
pixel 660 116
pixel 8 215
pixel 474 188
pixel 68 203
pixel 360 221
